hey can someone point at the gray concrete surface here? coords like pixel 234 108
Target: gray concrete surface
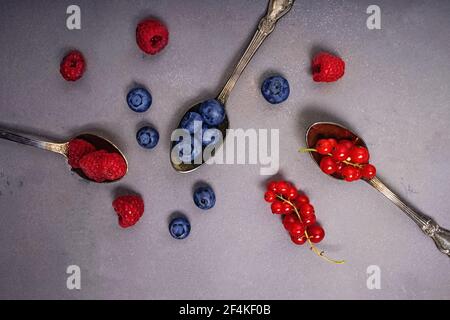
pixel 395 94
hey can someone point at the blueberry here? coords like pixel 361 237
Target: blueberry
pixel 182 146
pixel 179 228
pixel 212 112
pixel 275 89
pixel 189 120
pixel 139 99
pixel 210 136
pixel 204 197
pixel 147 137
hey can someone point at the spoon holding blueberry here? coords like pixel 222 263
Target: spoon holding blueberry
pixel 343 155
pixel 91 156
pixel 203 127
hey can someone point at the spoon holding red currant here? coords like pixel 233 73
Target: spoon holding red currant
pixel 343 155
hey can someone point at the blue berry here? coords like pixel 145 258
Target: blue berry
pixel 181 147
pixel 147 137
pixel 210 136
pixel 212 112
pixel 139 99
pixel 204 198
pixel 189 121
pixel 275 89
pixel 179 228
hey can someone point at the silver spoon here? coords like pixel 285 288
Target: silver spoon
pixel 319 130
pixel 276 9
pixel 62 148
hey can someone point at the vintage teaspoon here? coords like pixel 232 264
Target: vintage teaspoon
pixel 319 130
pixel 276 9
pixel 62 148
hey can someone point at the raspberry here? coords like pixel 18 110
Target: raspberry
pixel 114 166
pixel 76 150
pixel 72 66
pixel 129 208
pixel 327 68
pixel 151 36
pixel 92 165
pixel 103 166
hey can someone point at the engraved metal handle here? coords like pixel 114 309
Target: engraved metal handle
pixel 49 146
pixel 276 9
pixel 440 236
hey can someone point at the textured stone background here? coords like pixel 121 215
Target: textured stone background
pixel 395 94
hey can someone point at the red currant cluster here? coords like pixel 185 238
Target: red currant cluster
pixel 344 158
pixel 299 217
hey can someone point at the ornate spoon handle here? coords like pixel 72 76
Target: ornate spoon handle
pixel 440 236
pixel 54 147
pixel 275 10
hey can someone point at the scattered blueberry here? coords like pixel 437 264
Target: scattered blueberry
pixel 275 89
pixel 182 147
pixel 212 112
pixel 179 228
pixel 189 121
pixel 139 99
pixel 204 197
pixel 147 137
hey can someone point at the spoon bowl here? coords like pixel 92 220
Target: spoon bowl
pixel 325 130
pixel 62 148
pixel 186 167
pixel 321 130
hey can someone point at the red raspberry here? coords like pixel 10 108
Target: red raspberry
pixel 92 165
pixel 76 150
pixel 114 166
pixel 151 36
pixel 72 66
pixel 129 208
pixel 327 68
pixel 101 166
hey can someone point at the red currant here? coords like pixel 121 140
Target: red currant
pixel 286 208
pixel 328 165
pixel 291 193
pixel 296 229
pixel 272 186
pixel 301 199
pixel 277 207
pixel 333 142
pixel 298 239
pixel 350 173
pixel 359 154
pixel 340 166
pixel 368 171
pixel 316 233
pixel 288 220
pixel 309 220
pixel 306 209
pixel 270 196
pixel 323 146
pixel 346 143
pixel 282 187
pixel 340 152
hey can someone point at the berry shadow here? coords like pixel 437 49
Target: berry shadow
pixel 312 113
pixel 124 190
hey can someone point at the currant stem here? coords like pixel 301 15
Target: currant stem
pixel 311 245
pixel 304 150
